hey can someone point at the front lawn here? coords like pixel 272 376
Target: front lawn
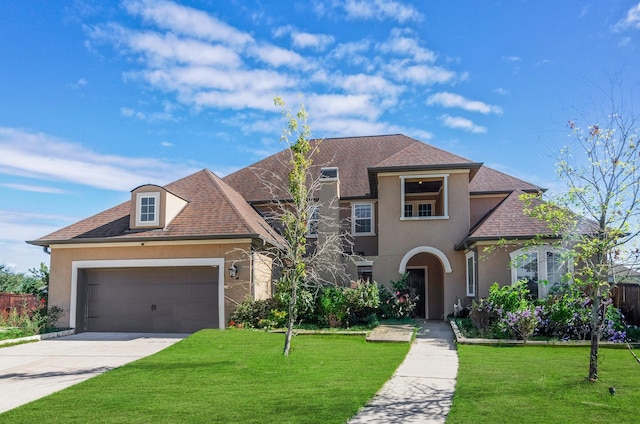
pixel 540 384
pixel 229 377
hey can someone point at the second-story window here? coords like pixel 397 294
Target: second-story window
pixel 362 219
pixel 424 196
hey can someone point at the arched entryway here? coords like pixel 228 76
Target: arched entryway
pixel 426 267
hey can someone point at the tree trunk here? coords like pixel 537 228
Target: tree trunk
pixel 291 316
pixel 596 324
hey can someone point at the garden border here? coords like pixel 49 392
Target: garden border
pixel 461 339
pixel 39 337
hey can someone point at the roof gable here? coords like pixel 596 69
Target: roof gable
pixel 507 221
pixel 214 210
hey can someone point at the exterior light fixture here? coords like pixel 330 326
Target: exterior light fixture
pixel 233 270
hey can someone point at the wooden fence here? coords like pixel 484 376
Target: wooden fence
pixel 9 301
pixel 627 298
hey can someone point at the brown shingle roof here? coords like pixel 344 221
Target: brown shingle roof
pixel 214 210
pixel 507 221
pixel 490 180
pixel 354 157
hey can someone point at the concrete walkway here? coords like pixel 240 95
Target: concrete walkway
pixel 421 389
pixel 33 370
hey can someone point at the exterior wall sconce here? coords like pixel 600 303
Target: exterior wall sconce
pixel 233 270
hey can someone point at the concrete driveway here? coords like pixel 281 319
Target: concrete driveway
pixel 33 370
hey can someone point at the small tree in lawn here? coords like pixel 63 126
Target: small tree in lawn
pixel 293 205
pixel 598 215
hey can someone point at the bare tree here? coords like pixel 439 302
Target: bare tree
pixel 300 209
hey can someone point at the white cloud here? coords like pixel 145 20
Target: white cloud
pixel 188 21
pixel 631 21
pixel 512 59
pixel 452 100
pixel 166 144
pixel 400 44
pixel 421 74
pixel 458 122
pixel 21 226
pixel 315 41
pixel 33 188
pixel 302 40
pixel 381 10
pixel 277 56
pixel 322 106
pixel 40 156
pixel 167 47
pixel 501 91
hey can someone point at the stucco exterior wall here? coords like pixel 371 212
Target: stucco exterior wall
pixel 262 276
pixel 493 267
pixel 60 279
pixel 398 237
pixel 481 205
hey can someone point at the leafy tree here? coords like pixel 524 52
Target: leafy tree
pixel 13 282
pixel 597 215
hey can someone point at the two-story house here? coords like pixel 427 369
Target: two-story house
pixel 169 259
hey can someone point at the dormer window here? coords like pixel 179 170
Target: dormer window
pixel 148 214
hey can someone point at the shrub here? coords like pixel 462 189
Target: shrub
pixel 251 313
pixel 483 314
pixel 399 301
pixel 521 323
pixel 32 321
pixel 564 313
pixel 333 308
pixel 362 300
pixel 305 300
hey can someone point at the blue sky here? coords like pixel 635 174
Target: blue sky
pixel 98 97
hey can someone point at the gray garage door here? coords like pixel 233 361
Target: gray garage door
pixel 156 300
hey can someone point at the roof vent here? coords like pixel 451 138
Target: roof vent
pixel 329 174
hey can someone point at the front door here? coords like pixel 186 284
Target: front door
pixel 417 282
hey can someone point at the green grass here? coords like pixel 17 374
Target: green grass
pixel 229 377
pixel 14 333
pixel 540 384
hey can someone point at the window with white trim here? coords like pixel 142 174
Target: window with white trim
pixel 536 265
pixel 362 219
pixel 313 221
pixel 147 209
pixel 471 273
pixel 424 196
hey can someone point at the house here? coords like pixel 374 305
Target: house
pixel 170 258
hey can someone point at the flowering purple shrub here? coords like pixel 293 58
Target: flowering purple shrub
pixel 521 323
pixel 564 314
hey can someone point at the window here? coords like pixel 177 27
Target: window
pixel 313 221
pixel 147 209
pixel 424 196
pixel 471 273
pixel 365 273
pixel 330 174
pixel 362 219
pixel 536 265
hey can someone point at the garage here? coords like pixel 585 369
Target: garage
pixel 148 299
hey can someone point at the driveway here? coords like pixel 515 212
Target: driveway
pixel 33 370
